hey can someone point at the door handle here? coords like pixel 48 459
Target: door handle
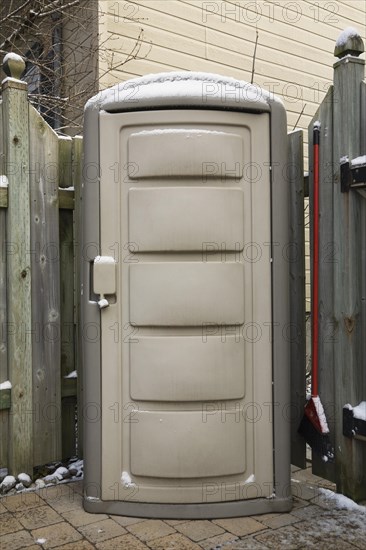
pixel 104 278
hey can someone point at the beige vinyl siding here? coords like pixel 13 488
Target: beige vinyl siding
pixel 294 57
pixel 295 42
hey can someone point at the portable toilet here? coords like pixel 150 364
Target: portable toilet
pixel 185 299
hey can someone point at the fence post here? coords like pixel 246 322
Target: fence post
pixel 19 327
pixel 349 362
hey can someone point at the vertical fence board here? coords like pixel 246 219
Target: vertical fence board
pixel 77 177
pixel 297 293
pixel 45 289
pixel 348 360
pixel 68 386
pixel 327 258
pixel 4 414
pixel 16 149
pixel 363 235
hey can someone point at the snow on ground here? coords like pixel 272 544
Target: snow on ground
pixel 341 502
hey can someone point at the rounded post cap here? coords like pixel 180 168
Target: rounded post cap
pixel 13 65
pixel 349 42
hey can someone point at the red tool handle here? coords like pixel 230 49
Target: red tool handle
pixel 315 294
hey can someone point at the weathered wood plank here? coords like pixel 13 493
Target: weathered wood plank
pixel 349 363
pixel 4 416
pixel 66 199
pixel 3 197
pixel 295 175
pixel 65 161
pixel 5 400
pixel 67 330
pixel 328 173
pixel 45 289
pixel 77 178
pixel 19 314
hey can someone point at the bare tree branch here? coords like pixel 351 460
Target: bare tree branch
pixel 65 57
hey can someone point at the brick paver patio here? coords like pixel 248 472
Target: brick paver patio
pixel 54 518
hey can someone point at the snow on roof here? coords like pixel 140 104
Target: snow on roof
pixel 349 32
pixel 183 88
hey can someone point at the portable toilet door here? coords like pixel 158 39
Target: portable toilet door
pixel 185 298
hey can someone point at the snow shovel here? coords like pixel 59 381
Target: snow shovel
pixel 314 426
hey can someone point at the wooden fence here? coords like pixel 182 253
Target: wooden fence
pixel 342 260
pixel 40 177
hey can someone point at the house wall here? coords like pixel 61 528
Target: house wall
pixel 294 56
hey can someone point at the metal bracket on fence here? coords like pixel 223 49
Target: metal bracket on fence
pixel 353 176
pixel 353 427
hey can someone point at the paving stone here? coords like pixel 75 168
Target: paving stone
pixel 280 520
pixel 357 540
pixel 175 521
pixel 78 545
pixel 304 491
pixel 2 508
pixel 335 543
pixel 240 526
pixel 124 521
pixel 79 517
pixel 38 517
pixel 247 543
pixel 78 486
pixel 16 541
pixel 22 501
pixel 294 468
pixel 218 541
pixel 128 542
pixel 57 535
pixel 8 524
pixel 173 542
pixel 347 524
pixel 286 537
pixel 102 530
pixel 199 529
pixel 307 512
pixel 298 503
pixel 62 497
pixel 150 529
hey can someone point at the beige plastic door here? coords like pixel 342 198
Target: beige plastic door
pixel 186 347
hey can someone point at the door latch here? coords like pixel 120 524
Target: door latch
pixel 104 278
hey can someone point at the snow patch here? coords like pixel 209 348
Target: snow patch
pixel 251 479
pixel 349 32
pixel 41 541
pixel 104 260
pixel 317 124
pixel 343 160
pixel 4 182
pixel 321 414
pixel 13 56
pixel 182 88
pixel 189 132
pixel 359 161
pixel 340 501
pixel 5 385
pixel 126 480
pixel 359 412
pixel 72 374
